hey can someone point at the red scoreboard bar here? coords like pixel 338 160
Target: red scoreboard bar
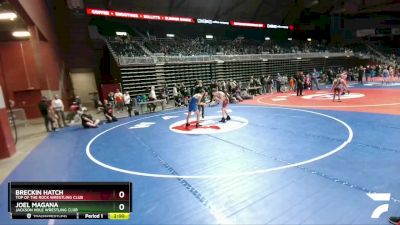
pixel 247 24
pixel 102 12
pixel 70 200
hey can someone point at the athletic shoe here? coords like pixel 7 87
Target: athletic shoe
pixel 228 118
pixel 187 124
pixel 198 125
pixel 222 120
pixel 394 220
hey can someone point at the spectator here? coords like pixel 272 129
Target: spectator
pixel 78 101
pixel 299 83
pixel 53 119
pixel 329 75
pixel 152 97
pixel 361 73
pixel 314 79
pixel 119 100
pixel 237 94
pixel 111 100
pixel 245 95
pixel 128 103
pixel 109 112
pixel 87 119
pixel 73 111
pixel 291 84
pixel 44 110
pixel 278 83
pixel 58 108
pixel 176 95
pixel 264 84
pixel 269 84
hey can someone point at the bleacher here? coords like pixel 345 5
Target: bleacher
pixel 174 62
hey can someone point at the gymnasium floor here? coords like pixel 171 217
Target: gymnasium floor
pixel 282 159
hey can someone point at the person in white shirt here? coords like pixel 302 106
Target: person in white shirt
pixel 175 94
pixel 152 97
pixel 128 103
pixel 58 107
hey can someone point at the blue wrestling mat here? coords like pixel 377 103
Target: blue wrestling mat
pixel 267 165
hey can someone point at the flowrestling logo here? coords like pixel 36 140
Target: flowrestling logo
pixel 379 197
pixel 209 125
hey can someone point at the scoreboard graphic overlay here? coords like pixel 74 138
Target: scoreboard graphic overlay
pixel 70 200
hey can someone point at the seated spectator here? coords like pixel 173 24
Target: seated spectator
pixel 245 95
pixel 87 119
pixel 73 111
pixel 109 112
pixel 99 106
pixel 238 95
pixel 139 99
pixel 152 97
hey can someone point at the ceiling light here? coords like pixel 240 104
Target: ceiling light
pixel 121 33
pixel 21 34
pixel 8 16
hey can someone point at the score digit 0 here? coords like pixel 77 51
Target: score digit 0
pixel 121 194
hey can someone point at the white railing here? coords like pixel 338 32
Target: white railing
pixel 207 58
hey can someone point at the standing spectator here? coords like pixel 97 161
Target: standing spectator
pixel 58 108
pixel 361 73
pixel 44 110
pixel 175 94
pixel 307 81
pixel 128 103
pixel 269 84
pixel 111 99
pixel 291 84
pixel 278 83
pixel 373 73
pixel 329 75
pixel 314 79
pixel 367 73
pixel 119 100
pixel 53 119
pixel 264 84
pixel 385 75
pixel 299 82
